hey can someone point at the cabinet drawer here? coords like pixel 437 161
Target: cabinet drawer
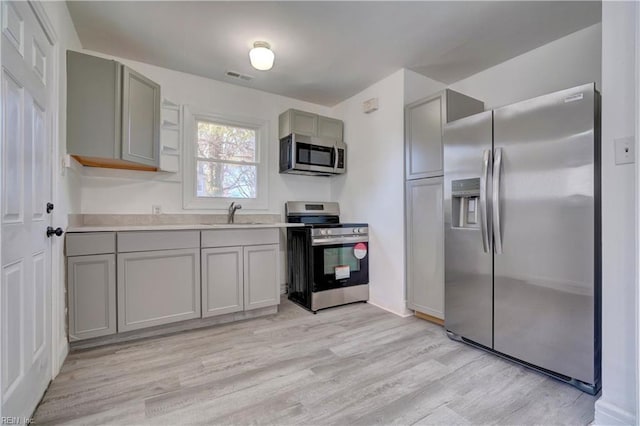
pixel 157 240
pixel 85 243
pixel 240 237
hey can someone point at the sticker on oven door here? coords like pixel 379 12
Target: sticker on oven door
pixel 360 250
pixel 342 272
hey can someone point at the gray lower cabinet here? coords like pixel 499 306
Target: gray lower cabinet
pixel 240 270
pixel 92 296
pixel 222 281
pixel 149 278
pixel 240 278
pixel 425 246
pixel 261 276
pixel 158 287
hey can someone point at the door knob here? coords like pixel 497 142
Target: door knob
pixel 49 207
pixel 57 232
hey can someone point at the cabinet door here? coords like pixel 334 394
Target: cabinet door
pixel 304 123
pixel 140 119
pixel 93 106
pixel 425 246
pixel 92 296
pixel 330 128
pixel 158 287
pixel 222 288
pixel 423 138
pixel 261 276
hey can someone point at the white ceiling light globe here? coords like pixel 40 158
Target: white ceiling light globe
pixel 261 56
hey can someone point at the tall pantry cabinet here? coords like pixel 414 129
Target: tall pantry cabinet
pixel 424 210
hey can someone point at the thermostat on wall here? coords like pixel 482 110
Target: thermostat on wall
pixel 370 105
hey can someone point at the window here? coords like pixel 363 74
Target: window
pixel 225 161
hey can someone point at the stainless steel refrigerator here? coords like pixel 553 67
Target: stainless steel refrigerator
pixel 522 233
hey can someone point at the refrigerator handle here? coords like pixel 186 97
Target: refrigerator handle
pixel 497 173
pixel 484 217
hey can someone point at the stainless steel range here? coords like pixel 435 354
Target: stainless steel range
pixel 328 260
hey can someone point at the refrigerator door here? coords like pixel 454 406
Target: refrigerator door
pixel 468 255
pixel 544 227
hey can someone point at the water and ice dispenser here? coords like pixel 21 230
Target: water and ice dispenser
pixel 465 200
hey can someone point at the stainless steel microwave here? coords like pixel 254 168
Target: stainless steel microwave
pixel 308 155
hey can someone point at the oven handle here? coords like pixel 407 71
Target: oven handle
pixel 338 240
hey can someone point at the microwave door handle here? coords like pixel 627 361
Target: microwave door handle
pixel 335 156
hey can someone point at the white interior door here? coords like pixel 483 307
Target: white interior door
pixel 25 319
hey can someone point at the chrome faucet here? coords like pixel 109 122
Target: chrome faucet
pixel 232 211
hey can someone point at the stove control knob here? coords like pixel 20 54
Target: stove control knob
pixel 356 230
pixel 329 232
pixel 323 232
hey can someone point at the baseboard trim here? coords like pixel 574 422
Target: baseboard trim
pixel 172 328
pixel 429 318
pixel 610 414
pixel 403 315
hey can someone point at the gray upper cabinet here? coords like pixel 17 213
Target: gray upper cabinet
pixel 424 121
pixel 113 114
pixel 306 123
pixel 295 121
pixel 140 118
pixel 330 128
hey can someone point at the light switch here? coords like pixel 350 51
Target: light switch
pixel 625 151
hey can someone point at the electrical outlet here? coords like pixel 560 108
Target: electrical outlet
pixel 625 152
pixel 156 209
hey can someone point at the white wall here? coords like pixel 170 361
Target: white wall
pixel 417 86
pixel 619 375
pixel 66 183
pixel 566 62
pixel 115 191
pixel 372 189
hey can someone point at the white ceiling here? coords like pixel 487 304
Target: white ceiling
pixel 326 51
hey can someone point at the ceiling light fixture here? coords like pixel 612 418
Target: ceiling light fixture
pixel 261 56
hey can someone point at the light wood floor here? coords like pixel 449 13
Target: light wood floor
pixel 355 364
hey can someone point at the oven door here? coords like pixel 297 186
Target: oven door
pixel 340 265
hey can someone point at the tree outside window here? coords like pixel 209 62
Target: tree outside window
pixel 226 161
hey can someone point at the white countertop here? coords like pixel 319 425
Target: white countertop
pixel 196 226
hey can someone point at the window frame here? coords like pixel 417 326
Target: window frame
pixel 191 201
